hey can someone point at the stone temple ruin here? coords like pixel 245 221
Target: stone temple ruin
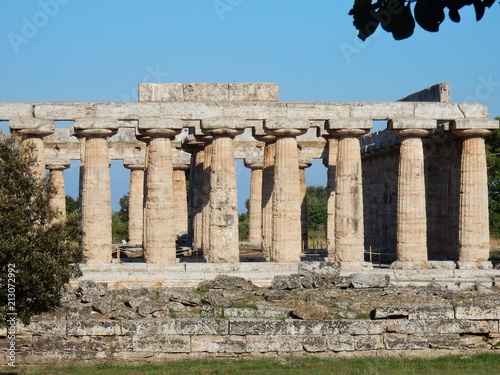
pixel 418 189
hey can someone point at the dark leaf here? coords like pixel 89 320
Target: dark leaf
pixel 364 18
pixel 454 15
pixel 479 7
pixel 429 14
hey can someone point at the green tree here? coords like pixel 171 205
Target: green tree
pixel 493 161
pixel 316 207
pixel 119 221
pixel 43 251
pixel 398 17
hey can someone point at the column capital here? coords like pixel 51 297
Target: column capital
pixel 267 138
pixel 135 165
pixel 32 127
pixel 254 164
pixel 180 167
pixel 57 166
pixel 94 133
pixel 411 133
pixel 348 133
pixel 158 133
pixel 286 128
pixel 305 163
pixel 471 133
pixel 223 127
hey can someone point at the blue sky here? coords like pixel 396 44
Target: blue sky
pixel 75 50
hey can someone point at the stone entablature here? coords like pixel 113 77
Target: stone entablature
pixel 172 123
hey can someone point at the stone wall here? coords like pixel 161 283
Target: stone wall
pixel 96 324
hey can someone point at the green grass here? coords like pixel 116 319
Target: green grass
pixel 449 365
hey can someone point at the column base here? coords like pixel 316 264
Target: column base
pixel 474 265
pixel 428 265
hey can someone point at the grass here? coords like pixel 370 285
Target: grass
pixel 450 365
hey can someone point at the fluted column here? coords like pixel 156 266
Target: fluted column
pixel 255 209
pixel 180 200
pixel 96 196
pixel 224 242
pixel 411 211
pixel 159 229
pixel 207 172
pixel 195 201
pixel 303 202
pixel 286 237
pixel 32 132
pixel 136 203
pixel 473 224
pixel 349 222
pixel 56 179
pixel 331 164
pixel 267 194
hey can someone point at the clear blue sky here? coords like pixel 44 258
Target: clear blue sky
pixel 90 50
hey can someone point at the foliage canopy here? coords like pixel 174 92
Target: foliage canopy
pixel 398 18
pixel 43 250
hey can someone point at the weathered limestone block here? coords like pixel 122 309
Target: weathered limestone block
pixel 272 312
pixel 354 327
pixel 94 328
pixel 253 92
pixel 396 341
pixel 218 344
pixel 161 92
pixel 199 327
pixel 307 311
pixel 265 343
pixel 161 343
pixel 246 327
pixel 146 308
pixel 12 110
pixel 478 311
pixel 366 280
pixel 64 111
pixel 340 343
pixel 140 327
pixel 315 344
pixel 88 290
pixel 369 342
pixel 286 282
pixel 234 312
pixel 437 326
pixel 227 282
pixel 415 311
pixel 105 305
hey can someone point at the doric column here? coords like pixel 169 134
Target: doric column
pixel 136 202
pixel 32 132
pixel 207 172
pixel 96 195
pixel 159 229
pixel 473 225
pixel 267 193
pixel 286 238
pixel 331 164
pixel 349 222
pixel 56 179
pixel 411 209
pixel 180 198
pixel 255 209
pixel 303 164
pixel 195 200
pixel 224 242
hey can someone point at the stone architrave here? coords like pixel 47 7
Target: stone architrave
pixel 349 221
pixel 224 240
pixel 180 198
pixel 136 203
pixel 286 237
pixel 96 196
pixel 159 229
pixel 56 179
pixel 473 226
pixel 411 211
pixel 255 209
